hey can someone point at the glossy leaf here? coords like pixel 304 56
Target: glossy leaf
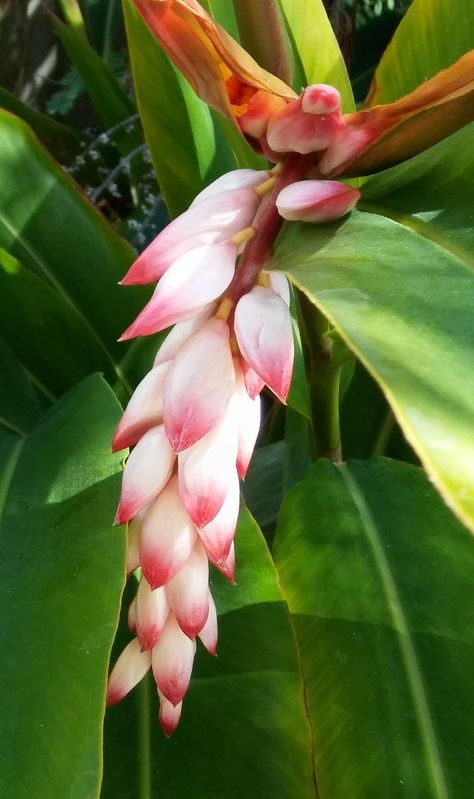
pixel 19 404
pixel 404 306
pixel 62 566
pixel 244 730
pixel 379 579
pixel 432 35
pixel 317 48
pixel 52 229
pixel 187 149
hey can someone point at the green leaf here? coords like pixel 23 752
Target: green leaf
pixel 62 567
pixel 52 229
pixel 19 404
pixel 404 306
pixel 432 35
pixel 244 730
pixel 62 141
pixel 110 101
pixel 187 148
pixel 379 580
pixel 316 47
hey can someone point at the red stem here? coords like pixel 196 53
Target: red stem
pixel 267 226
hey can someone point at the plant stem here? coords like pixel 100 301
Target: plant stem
pixel 323 368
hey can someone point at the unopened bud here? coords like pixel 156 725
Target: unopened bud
pixel 316 200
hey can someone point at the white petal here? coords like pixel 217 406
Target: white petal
pixel 130 668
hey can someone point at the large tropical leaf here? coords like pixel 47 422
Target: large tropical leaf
pixel 379 577
pixel 62 568
pixel 19 404
pixel 244 730
pixel 187 148
pixel 404 306
pixel 54 232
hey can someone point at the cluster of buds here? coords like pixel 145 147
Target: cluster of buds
pixel 193 420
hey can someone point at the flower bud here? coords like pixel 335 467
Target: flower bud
pixel 316 200
pixel 188 592
pixel 152 611
pixel 237 179
pixel 291 130
pixel 130 668
pixel 144 410
pixel 172 661
pixel 320 98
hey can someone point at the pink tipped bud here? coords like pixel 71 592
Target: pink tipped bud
pixel 152 613
pixel 130 668
pixel 147 470
pixel 320 98
pixel 209 632
pixel 291 130
pixel 316 200
pixel 145 409
pixel 206 469
pixel 218 534
pixel 227 567
pixel 344 146
pixel 169 715
pixel 181 332
pixel 199 385
pixel 248 416
pixel 195 279
pixel 253 383
pixel 172 662
pixel 237 179
pixel 264 334
pixel 188 592
pixel 213 219
pixel 167 537
pixel 261 107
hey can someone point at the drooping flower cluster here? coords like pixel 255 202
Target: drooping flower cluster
pixel 194 418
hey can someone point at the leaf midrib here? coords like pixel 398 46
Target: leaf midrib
pixel 406 645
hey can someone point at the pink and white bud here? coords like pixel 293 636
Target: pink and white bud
pixel 227 568
pixel 188 592
pixel 215 218
pixel 218 534
pixel 199 385
pixel 207 468
pixel 181 332
pixel 194 280
pixel 346 144
pixel 264 333
pixel 169 715
pixel 237 179
pixel 253 383
pixel 145 409
pixel 172 662
pixel 130 668
pixel 132 615
pixel 316 200
pixel 279 284
pixel 320 98
pixel 146 472
pixel 167 537
pixel 209 632
pixel 248 424
pixel 291 130
pixel 152 611
pixel 260 109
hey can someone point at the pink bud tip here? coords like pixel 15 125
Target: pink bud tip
pixel 130 668
pixel 316 200
pixel 320 98
pixel 169 715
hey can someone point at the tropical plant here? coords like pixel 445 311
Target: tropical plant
pixel 344 648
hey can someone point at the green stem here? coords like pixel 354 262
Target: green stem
pixel 324 359
pixel 384 433
pixel 73 15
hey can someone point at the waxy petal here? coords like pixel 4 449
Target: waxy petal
pixel 253 383
pixel 188 592
pixel 236 179
pixel 320 98
pixel 146 472
pixel 216 218
pixel 130 668
pixel 264 334
pixel 207 468
pixel 218 534
pixel 167 537
pixel 316 200
pixel 291 130
pixel 181 332
pixel 195 279
pixel 248 415
pixel 199 385
pixel 145 409
pixel 152 611
pixel 169 715
pixel 280 285
pixel 209 632
pixel 227 568
pixel 261 108
pixel 220 71
pixel 172 661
